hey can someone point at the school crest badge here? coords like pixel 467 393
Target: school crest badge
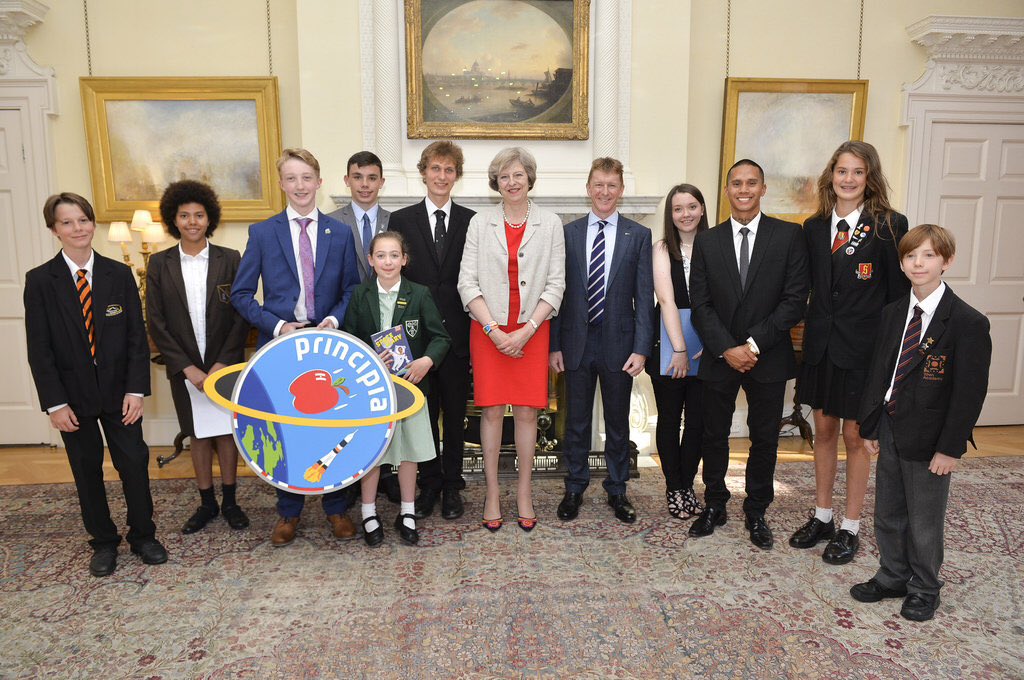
pixel 864 271
pixel 412 327
pixel 934 367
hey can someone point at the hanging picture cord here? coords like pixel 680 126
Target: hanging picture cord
pixel 88 44
pixel 860 38
pixel 270 48
pixel 728 33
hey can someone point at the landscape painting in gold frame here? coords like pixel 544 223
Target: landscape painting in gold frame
pixel 506 69
pixel 144 133
pixel 790 128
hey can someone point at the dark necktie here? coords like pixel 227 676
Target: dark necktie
pixel 911 341
pixel 842 235
pixel 367 235
pixel 306 258
pixel 85 298
pixel 744 256
pixel 439 232
pixel 595 278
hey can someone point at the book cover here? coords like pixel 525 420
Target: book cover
pixel 693 344
pixel 394 339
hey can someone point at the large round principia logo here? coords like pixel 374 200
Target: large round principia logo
pixel 313 410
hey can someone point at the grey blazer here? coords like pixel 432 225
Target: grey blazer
pixel 541 264
pixel 346 215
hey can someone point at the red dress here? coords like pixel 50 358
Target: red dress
pixel 499 379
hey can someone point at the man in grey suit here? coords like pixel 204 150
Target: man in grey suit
pixel 604 330
pixel 364 178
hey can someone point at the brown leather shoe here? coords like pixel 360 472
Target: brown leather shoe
pixel 284 531
pixel 342 527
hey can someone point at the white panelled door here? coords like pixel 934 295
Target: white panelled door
pixel 21 421
pixel 974 186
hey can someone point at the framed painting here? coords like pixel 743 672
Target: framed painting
pixel 790 128
pixel 509 69
pixel 144 133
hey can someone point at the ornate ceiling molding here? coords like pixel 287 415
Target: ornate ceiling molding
pixel 963 38
pixel 17 16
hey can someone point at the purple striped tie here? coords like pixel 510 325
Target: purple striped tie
pixel 911 341
pixel 595 278
pixel 306 258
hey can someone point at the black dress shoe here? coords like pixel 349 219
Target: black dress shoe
pixel 706 522
pixel 873 591
pixel 389 485
pixel 103 561
pixel 452 506
pixel 569 508
pixel 425 504
pixel 150 551
pixel 624 511
pixel 920 606
pixel 812 533
pixel 409 536
pixel 199 519
pixel 235 516
pixel 842 548
pixel 760 532
pixel 375 537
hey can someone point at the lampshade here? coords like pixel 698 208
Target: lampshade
pixel 118 233
pixel 153 233
pixel 141 219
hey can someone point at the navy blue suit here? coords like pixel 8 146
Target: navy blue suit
pixel 599 351
pixel 269 255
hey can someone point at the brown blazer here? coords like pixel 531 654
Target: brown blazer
pixel 170 325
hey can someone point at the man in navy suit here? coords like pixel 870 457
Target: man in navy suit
pixel 604 330
pixel 307 262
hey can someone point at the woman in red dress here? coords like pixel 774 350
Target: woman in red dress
pixel 511 282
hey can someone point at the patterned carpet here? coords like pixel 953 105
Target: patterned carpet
pixel 591 598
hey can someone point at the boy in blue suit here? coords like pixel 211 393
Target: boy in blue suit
pixel 307 261
pixel 928 379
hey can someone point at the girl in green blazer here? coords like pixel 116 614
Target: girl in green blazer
pixel 380 302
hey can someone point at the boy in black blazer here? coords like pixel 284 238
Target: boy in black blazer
pixel 89 357
pixel 928 379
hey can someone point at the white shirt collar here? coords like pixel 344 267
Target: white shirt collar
pixel 359 212
pixel 203 254
pixel 74 267
pixel 752 225
pixel 293 215
pixel 394 289
pixel 930 303
pixel 612 220
pixel 431 208
pixel 852 219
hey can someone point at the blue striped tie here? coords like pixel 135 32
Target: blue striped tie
pixel 911 341
pixel 595 279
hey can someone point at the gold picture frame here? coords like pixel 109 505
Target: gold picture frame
pixel 526 92
pixel 143 133
pixel 790 128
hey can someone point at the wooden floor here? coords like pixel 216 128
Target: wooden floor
pixel 49 465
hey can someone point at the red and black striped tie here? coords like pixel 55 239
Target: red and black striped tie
pixel 85 297
pixel 911 341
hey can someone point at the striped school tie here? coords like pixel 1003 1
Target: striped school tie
pixel 911 341
pixel 85 298
pixel 595 278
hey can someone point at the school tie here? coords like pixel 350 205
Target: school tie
pixel 85 298
pixel 842 235
pixel 367 235
pixel 911 341
pixel 440 232
pixel 744 256
pixel 595 279
pixel 306 259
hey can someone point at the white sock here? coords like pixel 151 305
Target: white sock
pixel 369 510
pixel 823 514
pixel 408 509
pixel 851 525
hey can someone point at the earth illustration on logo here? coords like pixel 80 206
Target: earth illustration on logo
pixel 313 410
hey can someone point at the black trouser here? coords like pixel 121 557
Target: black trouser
pixel 130 456
pixel 764 411
pixel 449 392
pixel 679 456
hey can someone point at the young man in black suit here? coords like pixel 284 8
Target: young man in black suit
pixel 748 288
pixel 435 235
pixel 928 379
pixel 89 357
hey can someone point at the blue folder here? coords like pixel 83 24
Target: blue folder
pixel 693 344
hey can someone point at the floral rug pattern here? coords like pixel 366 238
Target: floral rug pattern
pixel 591 598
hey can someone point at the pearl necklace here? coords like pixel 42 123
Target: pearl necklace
pixel 529 207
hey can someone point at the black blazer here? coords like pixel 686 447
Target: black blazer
pixel 440 275
pixel 771 303
pixel 58 348
pixel 846 302
pixel 941 397
pixel 170 325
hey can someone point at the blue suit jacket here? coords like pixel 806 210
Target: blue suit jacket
pixel 269 255
pixel 629 296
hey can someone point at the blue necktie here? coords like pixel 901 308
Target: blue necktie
pixel 367 235
pixel 595 279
